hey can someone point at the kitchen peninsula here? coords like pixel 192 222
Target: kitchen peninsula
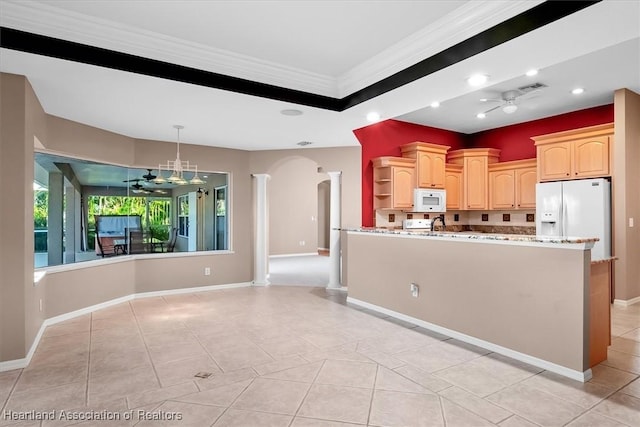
pixel 527 297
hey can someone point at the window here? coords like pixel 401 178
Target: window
pixel 183 215
pixel 104 189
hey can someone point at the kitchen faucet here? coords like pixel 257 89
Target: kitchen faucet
pixel 433 223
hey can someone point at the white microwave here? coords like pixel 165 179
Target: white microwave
pixel 429 200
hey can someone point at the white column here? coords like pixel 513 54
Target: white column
pixel 334 234
pixel 260 253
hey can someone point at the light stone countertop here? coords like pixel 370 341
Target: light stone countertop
pixel 475 235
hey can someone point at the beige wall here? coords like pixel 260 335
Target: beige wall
pixel 626 195
pixel 294 177
pixel 534 303
pixel 23 119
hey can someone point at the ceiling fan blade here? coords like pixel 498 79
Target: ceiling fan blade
pixel 491 109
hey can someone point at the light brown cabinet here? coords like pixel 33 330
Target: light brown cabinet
pixel 453 186
pixel 512 185
pixel 575 154
pixel 430 163
pixel 599 311
pixel 393 182
pixel 475 175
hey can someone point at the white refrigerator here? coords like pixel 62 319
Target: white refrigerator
pixel 580 208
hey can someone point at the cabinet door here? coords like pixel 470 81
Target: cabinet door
pixel 430 170
pixel 475 183
pixel 403 184
pixel 526 188
pixel 554 161
pixel 591 157
pixel 453 187
pixel 502 189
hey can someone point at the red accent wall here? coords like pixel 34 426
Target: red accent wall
pixel 515 140
pixel 384 139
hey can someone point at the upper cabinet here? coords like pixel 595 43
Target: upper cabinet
pixel 475 175
pixel 575 154
pixel 393 182
pixel 453 186
pixel 512 185
pixel 430 163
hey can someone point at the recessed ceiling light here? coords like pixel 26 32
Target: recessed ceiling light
pixel 435 104
pixel 483 99
pixel 291 112
pixel 373 116
pixel 205 176
pixel 577 91
pixel 481 115
pixel 477 79
pixel 531 73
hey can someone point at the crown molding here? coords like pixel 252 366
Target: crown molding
pixel 40 18
pixel 463 23
pixel 466 21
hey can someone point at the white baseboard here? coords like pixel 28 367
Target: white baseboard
pixel 627 302
pixel 24 362
pixel 290 255
pixel 540 363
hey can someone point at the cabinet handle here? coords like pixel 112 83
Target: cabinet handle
pixel 567 174
pixel 576 173
pixel 511 205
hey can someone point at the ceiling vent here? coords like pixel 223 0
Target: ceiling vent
pixel 303 143
pixel 531 87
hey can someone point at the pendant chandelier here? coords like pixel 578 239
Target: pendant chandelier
pixel 177 168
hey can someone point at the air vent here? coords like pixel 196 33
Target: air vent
pixel 531 87
pixel 303 143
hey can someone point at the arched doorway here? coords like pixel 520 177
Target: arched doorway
pixel 298 223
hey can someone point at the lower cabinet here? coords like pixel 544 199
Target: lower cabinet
pixel 599 311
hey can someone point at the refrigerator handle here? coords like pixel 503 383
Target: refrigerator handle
pixel 563 222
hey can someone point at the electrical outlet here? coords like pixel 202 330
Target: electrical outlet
pixel 207 271
pixel 40 304
pixel 414 290
pixel 302 243
pixel 630 222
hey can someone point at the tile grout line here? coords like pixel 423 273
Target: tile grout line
pixel 153 366
pixel 13 387
pixel 373 392
pixel 308 390
pixel 86 392
pixel 234 401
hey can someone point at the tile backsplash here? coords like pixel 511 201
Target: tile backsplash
pixel 468 220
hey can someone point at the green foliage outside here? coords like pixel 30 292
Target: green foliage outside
pixel 40 213
pixel 159 219
pixel 159 213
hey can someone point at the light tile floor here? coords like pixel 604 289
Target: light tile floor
pixel 301 357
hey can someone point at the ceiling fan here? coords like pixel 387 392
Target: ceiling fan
pixel 138 188
pixel 149 176
pixel 510 99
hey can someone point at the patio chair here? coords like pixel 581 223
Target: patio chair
pixel 171 245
